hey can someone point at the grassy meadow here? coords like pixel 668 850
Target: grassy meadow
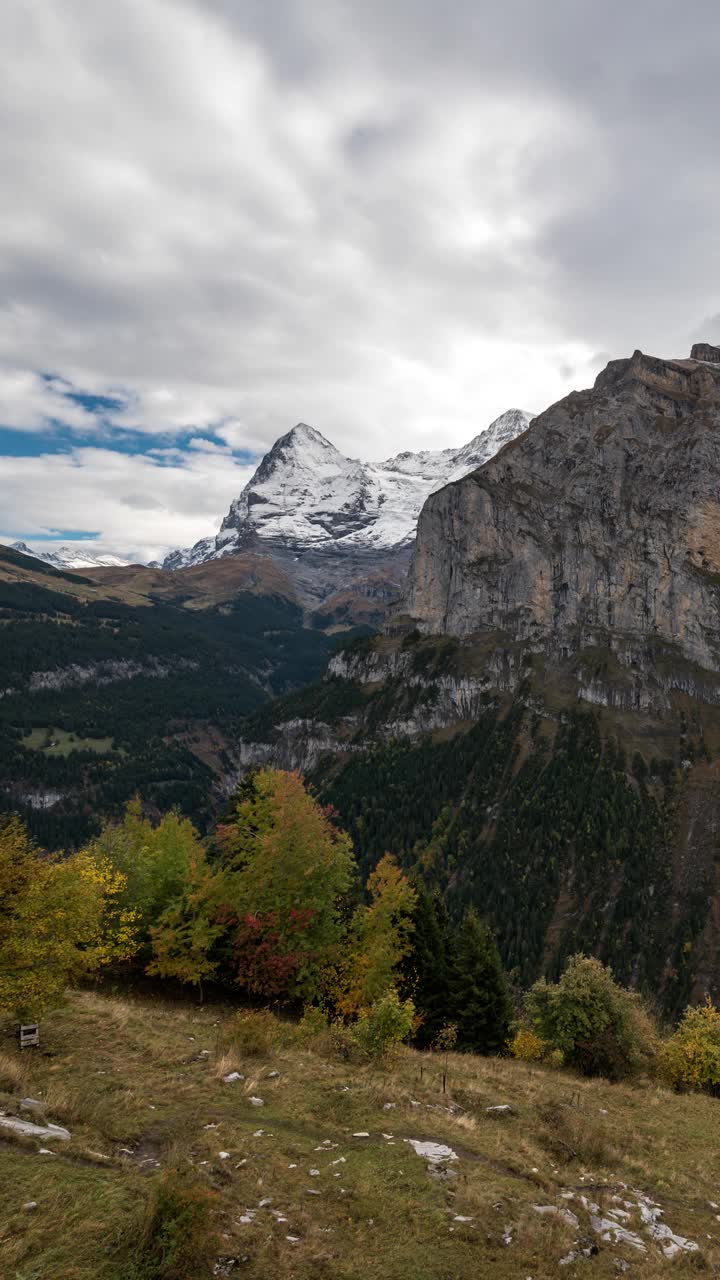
pixel 173 1174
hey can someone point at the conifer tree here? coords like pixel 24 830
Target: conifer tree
pixel 481 1005
pixel 428 968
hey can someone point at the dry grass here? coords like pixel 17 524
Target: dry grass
pixel 13 1073
pixel 140 1083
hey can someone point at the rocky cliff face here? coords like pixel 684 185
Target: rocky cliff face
pixel 599 526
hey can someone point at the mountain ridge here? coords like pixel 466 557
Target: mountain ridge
pixel 307 496
pixel 69 558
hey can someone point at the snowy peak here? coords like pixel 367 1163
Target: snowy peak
pixel 306 495
pixel 483 447
pixel 70 558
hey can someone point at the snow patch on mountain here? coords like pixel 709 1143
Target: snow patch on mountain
pixel 70 558
pixel 306 495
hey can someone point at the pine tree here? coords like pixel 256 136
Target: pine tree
pixel 428 968
pixel 481 1004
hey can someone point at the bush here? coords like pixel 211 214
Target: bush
pixel 690 1059
pixel 254 1034
pixel 175 1239
pixel 313 1023
pixel 571 1132
pixel 599 1027
pixel 527 1046
pixel 380 1029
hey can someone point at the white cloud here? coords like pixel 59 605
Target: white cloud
pixel 143 506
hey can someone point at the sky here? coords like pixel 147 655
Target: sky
pixel 392 221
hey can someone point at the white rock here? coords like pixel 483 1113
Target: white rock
pixel 256 1102
pixel 433 1152
pixel 361 1134
pixel 30 1205
pixel 223 1155
pixel 232 1077
pixel 28 1130
pixel 503 1110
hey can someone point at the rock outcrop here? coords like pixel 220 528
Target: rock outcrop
pixel 599 526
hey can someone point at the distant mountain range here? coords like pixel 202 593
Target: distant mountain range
pixel 70 558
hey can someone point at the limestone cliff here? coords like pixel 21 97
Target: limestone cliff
pixel 599 525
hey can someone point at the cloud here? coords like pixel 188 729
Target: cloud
pixel 391 221
pixel 143 506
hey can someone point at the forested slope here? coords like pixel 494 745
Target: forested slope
pixel 125 684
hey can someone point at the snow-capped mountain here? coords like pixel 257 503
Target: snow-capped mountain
pixel 70 558
pixel 306 496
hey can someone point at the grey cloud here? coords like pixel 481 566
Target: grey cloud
pixel 391 220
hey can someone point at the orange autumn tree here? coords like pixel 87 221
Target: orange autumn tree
pixel 287 870
pixel 381 934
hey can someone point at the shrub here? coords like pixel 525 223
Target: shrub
pixel 255 1033
pixel 175 1239
pixel 313 1023
pixel 599 1027
pixel 329 1039
pixel 527 1046
pixel 572 1132
pixel 690 1059
pixel 381 1029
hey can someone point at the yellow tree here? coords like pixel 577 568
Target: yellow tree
pixel 59 920
pixel 381 937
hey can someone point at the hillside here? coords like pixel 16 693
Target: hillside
pixel 568 826
pixel 132 680
pixel 539 727
pixel 321 1180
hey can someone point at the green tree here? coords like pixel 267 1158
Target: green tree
pixel 185 935
pixel 481 1004
pixel 286 871
pixel 156 861
pixel 599 1027
pixel 427 969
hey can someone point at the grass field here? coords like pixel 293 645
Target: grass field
pixel 58 742
pixel 292 1190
